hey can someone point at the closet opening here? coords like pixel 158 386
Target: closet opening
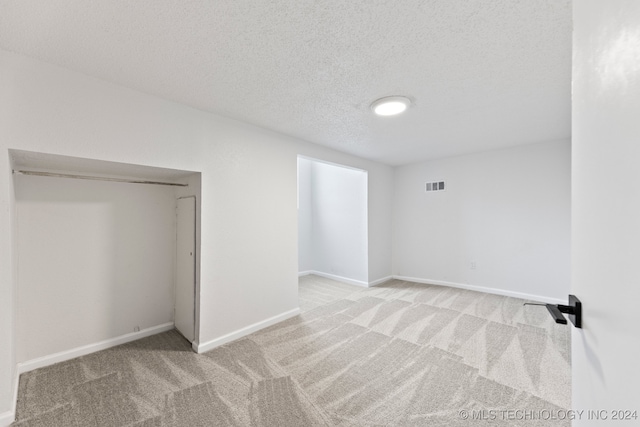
pixel 98 254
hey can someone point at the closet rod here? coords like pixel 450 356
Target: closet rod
pixel 97 178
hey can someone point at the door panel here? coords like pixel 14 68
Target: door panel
pixel 185 267
pixel 606 211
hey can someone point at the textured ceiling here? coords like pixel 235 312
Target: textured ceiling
pixel 483 74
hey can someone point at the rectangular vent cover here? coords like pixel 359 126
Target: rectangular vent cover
pixel 435 186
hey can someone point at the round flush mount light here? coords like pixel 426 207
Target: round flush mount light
pixel 390 105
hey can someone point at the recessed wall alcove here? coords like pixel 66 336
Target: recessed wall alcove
pixel 333 221
pixel 96 256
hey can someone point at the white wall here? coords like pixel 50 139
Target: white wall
pixel 305 242
pixel 339 221
pixel 8 297
pixel 95 261
pixel 606 206
pixel 506 210
pixel 249 216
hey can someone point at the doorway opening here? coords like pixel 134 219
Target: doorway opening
pixel 332 222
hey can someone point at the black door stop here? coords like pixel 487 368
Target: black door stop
pixel 574 310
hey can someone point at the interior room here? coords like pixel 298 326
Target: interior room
pixel 320 213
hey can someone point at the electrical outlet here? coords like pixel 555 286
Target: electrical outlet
pixel 473 265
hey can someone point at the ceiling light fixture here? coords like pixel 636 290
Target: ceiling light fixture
pixel 390 105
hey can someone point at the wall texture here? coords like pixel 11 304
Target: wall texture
pixel 507 211
pixel 95 261
pixel 249 216
pixel 606 206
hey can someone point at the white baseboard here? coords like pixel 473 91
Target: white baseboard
pixel 345 279
pixel 494 291
pixel 91 348
pixel 380 281
pixel 340 278
pixel 7 418
pixel 210 345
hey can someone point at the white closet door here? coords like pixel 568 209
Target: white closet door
pixel 185 308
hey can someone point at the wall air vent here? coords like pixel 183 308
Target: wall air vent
pixel 434 186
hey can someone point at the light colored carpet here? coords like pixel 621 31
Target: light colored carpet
pixel 397 354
